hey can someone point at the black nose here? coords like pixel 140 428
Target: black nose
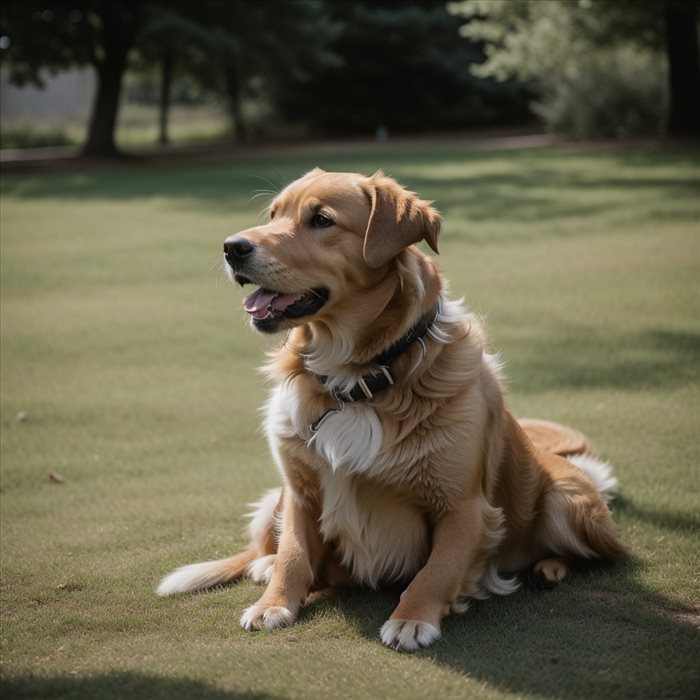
pixel 237 249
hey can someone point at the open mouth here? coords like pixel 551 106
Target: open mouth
pixel 268 308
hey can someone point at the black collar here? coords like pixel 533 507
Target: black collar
pixel 369 384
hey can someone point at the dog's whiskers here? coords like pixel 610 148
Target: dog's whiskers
pixel 274 189
pixel 261 193
pixel 270 193
pixel 219 266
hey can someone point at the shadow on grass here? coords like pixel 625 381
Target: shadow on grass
pixel 667 520
pixel 117 686
pixel 505 194
pixel 584 357
pixel 599 634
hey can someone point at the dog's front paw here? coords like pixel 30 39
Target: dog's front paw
pixel 270 617
pixel 408 635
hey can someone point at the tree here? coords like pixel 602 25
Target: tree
pixel 180 37
pixel 553 43
pixel 223 43
pixel 59 35
pixel 118 24
pixel 270 44
pixel 401 67
pixel 681 41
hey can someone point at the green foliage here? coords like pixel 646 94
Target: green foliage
pixel 226 46
pixel 615 92
pixel 256 38
pixel 127 350
pixel 38 36
pixel 597 65
pixel 272 43
pixel 30 137
pixel 401 66
pixel 525 39
pixel 55 35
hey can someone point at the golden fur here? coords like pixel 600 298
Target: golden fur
pixel 432 481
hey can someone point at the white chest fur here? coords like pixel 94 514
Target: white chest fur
pixel 349 440
pixel 380 535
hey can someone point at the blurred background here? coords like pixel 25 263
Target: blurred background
pixel 111 76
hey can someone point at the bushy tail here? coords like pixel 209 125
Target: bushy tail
pixel 598 471
pixel 206 574
pixel 593 524
pixel 567 442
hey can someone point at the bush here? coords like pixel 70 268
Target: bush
pixel 402 66
pixel 30 137
pixel 611 93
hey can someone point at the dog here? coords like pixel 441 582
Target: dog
pixel 399 459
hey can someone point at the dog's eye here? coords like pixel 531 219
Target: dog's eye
pixel 321 221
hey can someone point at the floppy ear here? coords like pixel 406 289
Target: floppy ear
pixel 397 219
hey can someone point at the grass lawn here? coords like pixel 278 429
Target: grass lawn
pixel 128 369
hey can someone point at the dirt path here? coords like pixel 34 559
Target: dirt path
pixel 70 159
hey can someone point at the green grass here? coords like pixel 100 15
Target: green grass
pixel 127 352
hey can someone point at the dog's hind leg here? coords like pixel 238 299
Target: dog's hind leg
pixel 551 571
pixel 576 523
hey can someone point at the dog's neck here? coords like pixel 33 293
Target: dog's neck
pixel 346 348
pixel 383 376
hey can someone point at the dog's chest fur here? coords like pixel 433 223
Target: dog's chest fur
pixel 381 536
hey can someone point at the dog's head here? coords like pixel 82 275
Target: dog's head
pixel 331 237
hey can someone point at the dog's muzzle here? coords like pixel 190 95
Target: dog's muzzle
pixel 270 309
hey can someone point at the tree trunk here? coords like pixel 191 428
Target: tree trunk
pixel 100 141
pixel 166 76
pixel 233 89
pixel 683 69
pixel 119 28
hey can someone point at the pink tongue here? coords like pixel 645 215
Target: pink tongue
pixel 257 303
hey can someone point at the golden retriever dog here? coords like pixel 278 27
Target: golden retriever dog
pixel 399 459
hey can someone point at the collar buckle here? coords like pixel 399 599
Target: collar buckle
pixel 368 385
pixel 316 425
pixel 365 389
pixel 386 371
